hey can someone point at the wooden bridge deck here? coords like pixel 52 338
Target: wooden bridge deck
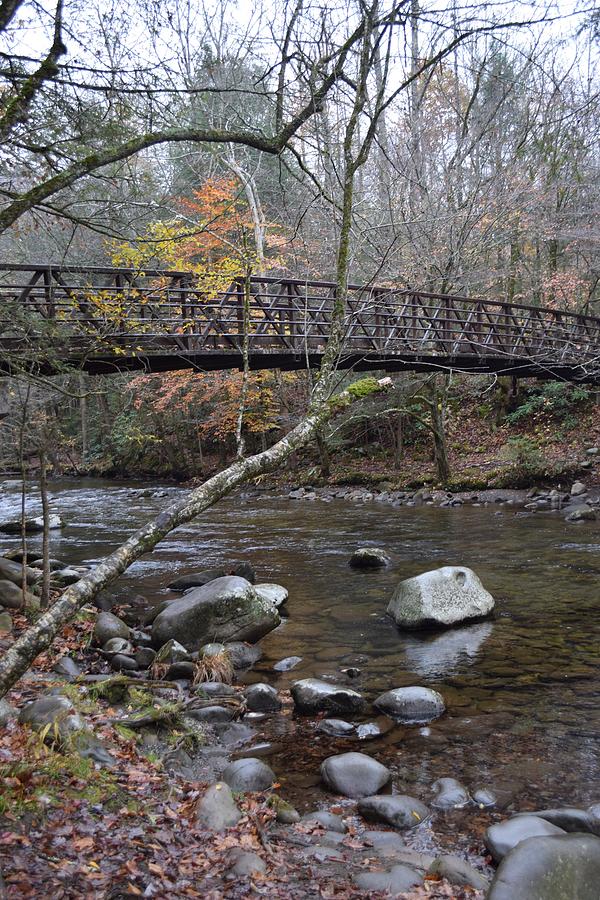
pixel 106 320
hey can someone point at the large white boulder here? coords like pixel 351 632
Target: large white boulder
pixel 441 597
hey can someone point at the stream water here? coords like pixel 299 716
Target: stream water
pixel 522 689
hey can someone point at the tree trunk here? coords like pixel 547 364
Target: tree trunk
pixel 438 427
pixel 45 600
pixel 324 456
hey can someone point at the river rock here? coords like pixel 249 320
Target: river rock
pixel 287 664
pixel 555 867
pixel 243 655
pixel 484 798
pixel 199 579
pixel 211 714
pixel 12 571
pixel 171 652
pixel 215 689
pixel 262 698
pixel 273 593
pixel 6 623
pixel 11 596
pixel 7 712
pixel 181 671
pixel 581 513
pixel 119 662
pixel 326 820
pixel 569 818
pixel 311 695
pixel 212 649
pixel 396 881
pixel 144 657
pixel 249 774
pixel 458 871
pixel 217 809
pixel 354 774
pixel 67 666
pixel 32 526
pixel 118 645
pixel 503 836
pixel 449 794
pixel 109 626
pixel 53 710
pixel 369 558
pixel 578 489
pixel 396 810
pixel 336 728
pixel 411 704
pixel 227 609
pixel 246 863
pixel 443 596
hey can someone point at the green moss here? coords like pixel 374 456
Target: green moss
pixel 363 388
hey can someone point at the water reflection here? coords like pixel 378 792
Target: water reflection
pixel 432 657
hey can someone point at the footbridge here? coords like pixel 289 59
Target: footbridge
pixel 105 320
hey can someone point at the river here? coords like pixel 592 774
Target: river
pixel 521 689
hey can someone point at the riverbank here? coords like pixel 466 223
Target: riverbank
pixel 519 688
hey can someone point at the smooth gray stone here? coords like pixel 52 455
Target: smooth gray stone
pixel 502 837
pixel 312 695
pixel 570 819
pixel 383 839
pixel 262 698
pixel 336 728
pixel 211 714
pixel 121 663
pixel 181 671
pixel 285 665
pixel 354 774
pixel 46 710
pixel 88 746
pixel 172 652
pixel 411 704
pixel 144 657
pixel 118 645
pixel 273 593
pixel 397 810
pixel 449 794
pixel 558 867
pixel 458 871
pixel 249 774
pixel 398 880
pixel 67 666
pixel 247 863
pixel 242 655
pixel 109 626
pixel 485 798
pixel 217 809
pixel 327 820
pixel 212 649
pixel 11 596
pixel 12 571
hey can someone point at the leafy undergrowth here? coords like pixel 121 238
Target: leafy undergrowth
pixel 69 829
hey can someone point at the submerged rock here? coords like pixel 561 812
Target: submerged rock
pixel 369 558
pixel 285 665
pixel 354 774
pixel 199 579
pixel 227 609
pixel 311 695
pixel 449 794
pixel 441 597
pixel 411 704
pixel 336 728
pixel 557 867
pixel 398 810
pixel 242 655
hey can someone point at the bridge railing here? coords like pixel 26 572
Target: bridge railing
pixel 91 311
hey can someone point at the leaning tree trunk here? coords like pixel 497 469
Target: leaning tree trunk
pixel 38 638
